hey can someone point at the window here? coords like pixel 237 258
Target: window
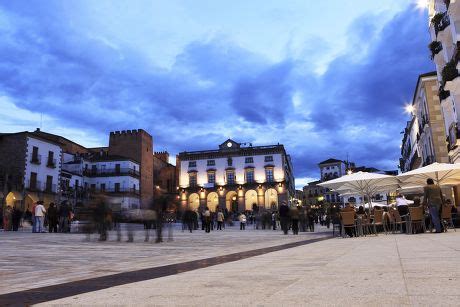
pixel 211 177
pixel 211 162
pixel 192 180
pixel 269 175
pixel 76 183
pixel 230 161
pixel 268 158
pixel 117 168
pixel 117 187
pixel 51 161
pixel 250 176
pixel 249 160
pixel 33 184
pixel 35 157
pixel 192 164
pixel 230 177
pixel 328 199
pixel 93 187
pixel 102 187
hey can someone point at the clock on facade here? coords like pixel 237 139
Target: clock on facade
pixel 229 144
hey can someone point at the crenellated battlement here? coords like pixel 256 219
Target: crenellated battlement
pixel 128 132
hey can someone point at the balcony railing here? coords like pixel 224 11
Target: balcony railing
pixel 435 48
pixel 440 21
pixel 122 191
pixel 111 172
pixel 50 188
pixel 36 159
pixel 51 163
pixel 34 185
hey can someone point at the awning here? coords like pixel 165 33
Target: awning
pixel 15 195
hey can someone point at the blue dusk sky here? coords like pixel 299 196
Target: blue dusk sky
pixel 324 78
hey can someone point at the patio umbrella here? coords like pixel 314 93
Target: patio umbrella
pixel 441 173
pixel 362 183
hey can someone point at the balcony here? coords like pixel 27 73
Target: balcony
pixel 450 78
pixel 36 159
pixel 50 188
pixel 34 185
pixel 440 22
pixel 428 160
pixel 111 172
pixel 51 163
pixel 122 191
pixel 443 94
pixel 435 48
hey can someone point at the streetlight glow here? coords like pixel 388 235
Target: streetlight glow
pixel 421 4
pixel 409 108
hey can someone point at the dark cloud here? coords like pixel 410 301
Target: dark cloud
pixel 217 89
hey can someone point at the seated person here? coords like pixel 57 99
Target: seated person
pixel 361 211
pixel 349 208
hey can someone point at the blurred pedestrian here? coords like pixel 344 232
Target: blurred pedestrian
pixel 16 218
pixel 207 219
pixel 284 217
pixel 63 213
pixel 242 219
pixel 294 214
pixel 220 219
pixel 40 216
pixel 52 218
pixel 433 199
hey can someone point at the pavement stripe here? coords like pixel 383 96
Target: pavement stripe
pixel 54 292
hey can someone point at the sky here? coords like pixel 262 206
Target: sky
pixel 328 79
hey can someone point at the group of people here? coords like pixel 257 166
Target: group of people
pixel 55 218
pixel 432 204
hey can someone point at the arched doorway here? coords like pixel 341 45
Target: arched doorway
pixel 250 200
pixel 13 198
pixel 213 201
pixel 194 201
pixel 271 199
pixel 231 201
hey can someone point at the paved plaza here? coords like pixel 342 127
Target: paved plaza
pixel 393 269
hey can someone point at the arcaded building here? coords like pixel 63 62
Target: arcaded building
pixel 235 176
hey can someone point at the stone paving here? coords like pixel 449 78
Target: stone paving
pixel 30 260
pixel 396 269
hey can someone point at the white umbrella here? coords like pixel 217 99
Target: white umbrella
pixel 441 173
pixel 362 183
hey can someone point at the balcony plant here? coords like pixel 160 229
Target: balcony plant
pixel 449 72
pixel 440 21
pixel 435 48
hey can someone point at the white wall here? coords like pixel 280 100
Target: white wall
pixel 41 169
pixel 239 165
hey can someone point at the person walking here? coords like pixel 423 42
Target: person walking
pixel 294 213
pixel 64 212
pixel 242 219
pixel 7 218
pixel 40 216
pixel 432 196
pixel 220 219
pixel 52 218
pixel 284 217
pixel 16 218
pixel 207 219
pixel 34 221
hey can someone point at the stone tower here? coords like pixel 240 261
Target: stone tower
pixel 136 145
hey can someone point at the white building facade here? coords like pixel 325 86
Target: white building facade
pixel 236 178
pixel 115 177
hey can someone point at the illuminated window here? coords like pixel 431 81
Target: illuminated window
pixel 269 175
pixel 268 158
pixel 250 175
pixel 192 164
pixel 192 180
pixel 249 160
pixel 211 177
pixel 230 177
